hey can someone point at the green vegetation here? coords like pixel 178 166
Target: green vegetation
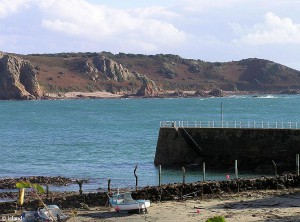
pixel 216 219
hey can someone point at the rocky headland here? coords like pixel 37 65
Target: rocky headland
pixel 18 79
pixel 107 75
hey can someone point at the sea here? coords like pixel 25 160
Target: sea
pixel 101 139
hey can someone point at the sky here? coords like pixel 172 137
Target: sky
pixel 209 30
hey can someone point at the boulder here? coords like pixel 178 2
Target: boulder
pixel 147 89
pixel 216 93
pixel 201 93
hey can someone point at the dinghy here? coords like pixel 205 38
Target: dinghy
pixel 123 202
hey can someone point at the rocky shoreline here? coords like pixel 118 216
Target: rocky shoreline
pixel 10 183
pixel 167 94
pixel 167 192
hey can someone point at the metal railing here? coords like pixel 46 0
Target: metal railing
pixel 230 124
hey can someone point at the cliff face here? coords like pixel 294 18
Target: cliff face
pixel 17 79
pixel 145 75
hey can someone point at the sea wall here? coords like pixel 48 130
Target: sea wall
pixel 219 147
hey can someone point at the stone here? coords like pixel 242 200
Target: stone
pixel 216 93
pixel 147 89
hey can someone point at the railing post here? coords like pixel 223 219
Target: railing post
pixel 276 125
pixel 254 125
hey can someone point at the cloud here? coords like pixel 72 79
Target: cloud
pixel 203 5
pixel 8 7
pixel 274 30
pixel 153 12
pixel 97 23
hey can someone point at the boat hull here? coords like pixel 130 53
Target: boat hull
pixel 139 205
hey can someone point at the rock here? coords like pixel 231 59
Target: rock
pixel 201 93
pixel 179 93
pixel 216 93
pixel 147 89
pixel 17 79
pixel 290 91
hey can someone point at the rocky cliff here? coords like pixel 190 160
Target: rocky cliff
pixel 17 79
pixel 145 75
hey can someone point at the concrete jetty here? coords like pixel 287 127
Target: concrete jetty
pixel 254 145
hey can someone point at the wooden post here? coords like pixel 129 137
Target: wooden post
pixel 80 182
pixel 47 191
pixel 108 186
pixel 297 164
pixel 275 167
pixel 136 178
pixel 236 170
pixel 183 175
pixel 159 175
pixel 203 166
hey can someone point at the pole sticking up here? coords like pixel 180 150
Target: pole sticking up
pixel 297 164
pixel 136 178
pixel 203 171
pixel 222 114
pixel 183 175
pixel 275 167
pixel 236 170
pixel 159 175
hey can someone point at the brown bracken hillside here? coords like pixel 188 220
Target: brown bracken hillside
pixel 127 73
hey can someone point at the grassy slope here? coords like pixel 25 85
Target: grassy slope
pixel 169 72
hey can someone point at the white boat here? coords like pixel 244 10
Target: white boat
pixel 123 202
pixel 44 216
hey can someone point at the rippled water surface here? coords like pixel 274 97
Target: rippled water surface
pixel 106 138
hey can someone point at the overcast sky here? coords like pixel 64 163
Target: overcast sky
pixel 210 30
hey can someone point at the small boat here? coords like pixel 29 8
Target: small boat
pixel 123 202
pixel 42 215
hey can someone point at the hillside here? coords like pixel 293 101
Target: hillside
pixel 149 74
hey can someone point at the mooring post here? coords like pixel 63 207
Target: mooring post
pixel 236 174
pixel 136 178
pixel 203 171
pixel 108 185
pixel 297 164
pixel 183 175
pixel 275 167
pixel 80 182
pixel 159 175
pixel 47 191
pixel 236 170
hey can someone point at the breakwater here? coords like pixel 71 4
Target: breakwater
pixel 218 147
pixel 167 192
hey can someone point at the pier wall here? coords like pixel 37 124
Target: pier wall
pixel 219 147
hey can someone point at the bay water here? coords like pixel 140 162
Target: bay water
pixel 98 139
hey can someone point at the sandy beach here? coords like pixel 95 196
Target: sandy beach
pixel 282 205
